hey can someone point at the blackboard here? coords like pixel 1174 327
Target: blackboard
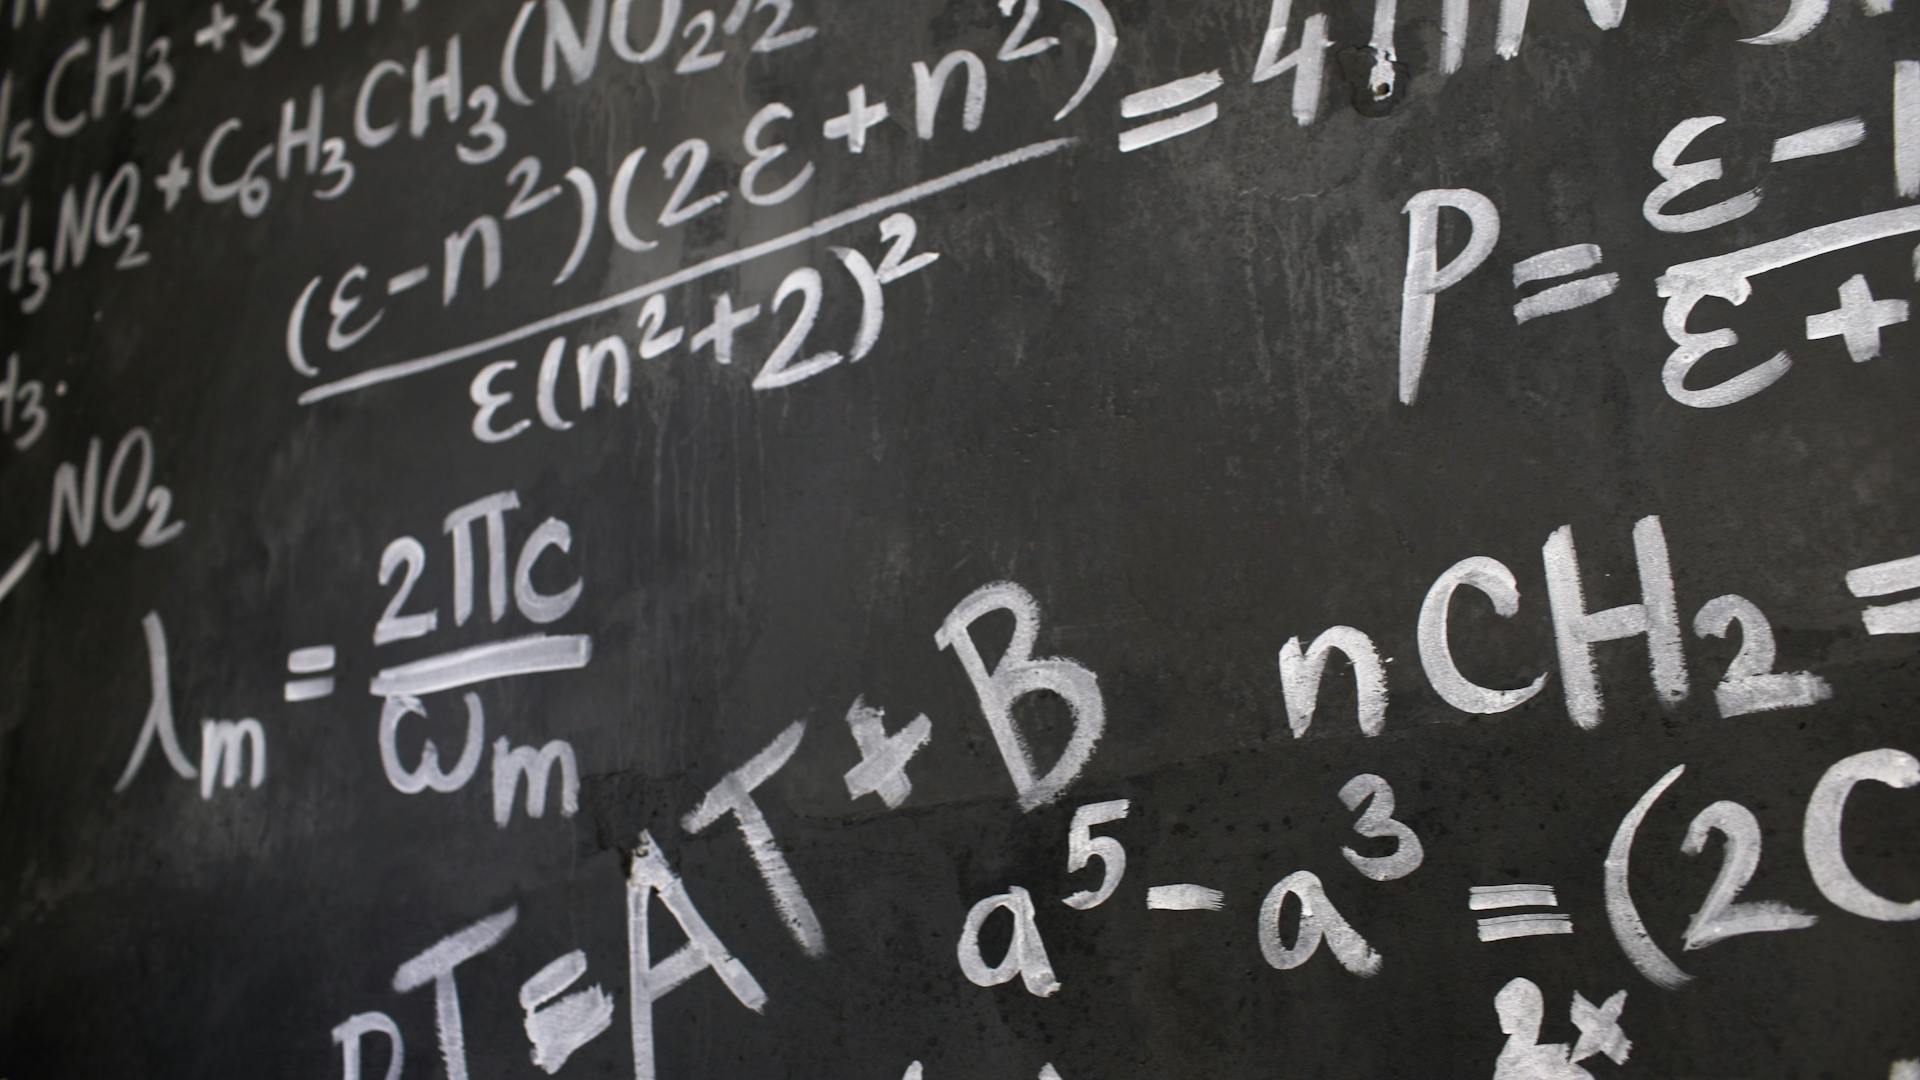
pixel 959 538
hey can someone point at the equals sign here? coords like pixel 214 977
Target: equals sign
pixel 1883 579
pixel 314 662
pixel 1159 99
pixel 1501 897
pixel 1559 263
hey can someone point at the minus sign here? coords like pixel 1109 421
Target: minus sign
pixel 1184 898
pixel 400 283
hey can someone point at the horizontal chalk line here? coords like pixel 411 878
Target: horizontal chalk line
pixel 1566 297
pixel 1559 262
pixel 1901 618
pixel 1825 139
pixel 310 660
pixel 1728 271
pixel 1170 95
pixel 1495 897
pixel 309 689
pixel 1184 898
pixel 1502 927
pixel 1161 130
pixel 1883 578
pixel 529 655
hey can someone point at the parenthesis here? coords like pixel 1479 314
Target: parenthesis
pixel 1105 41
pixel 873 311
pixel 1800 20
pixel 509 81
pixel 1628 928
pixel 589 217
pixel 296 321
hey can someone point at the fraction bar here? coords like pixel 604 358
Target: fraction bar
pixel 1726 275
pixel 529 655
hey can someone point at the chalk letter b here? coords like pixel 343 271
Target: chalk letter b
pixel 1018 674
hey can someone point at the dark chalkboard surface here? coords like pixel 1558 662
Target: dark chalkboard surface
pixel 955 538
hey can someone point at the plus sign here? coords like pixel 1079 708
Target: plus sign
pixel 175 180
pixel 727 321
pixel 853 124
pixel 214 34
pixel 1600 1031
pixel 883 758
pixel 1858 320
